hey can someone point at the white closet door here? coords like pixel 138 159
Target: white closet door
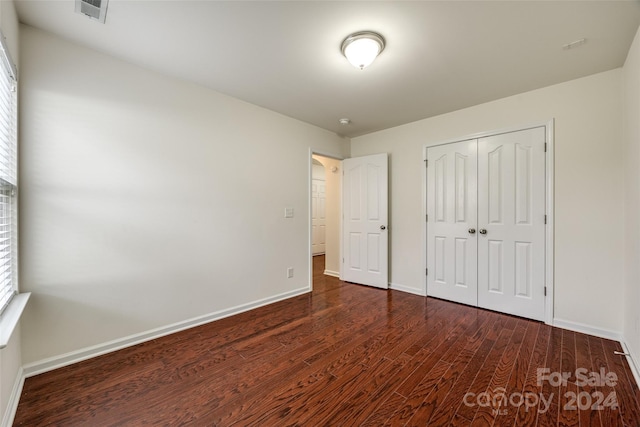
pixel 451 231
pixel 511 215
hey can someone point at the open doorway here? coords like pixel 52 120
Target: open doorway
pixel 325 217
pixel 318 209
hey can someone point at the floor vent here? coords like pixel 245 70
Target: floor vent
pixel 94 9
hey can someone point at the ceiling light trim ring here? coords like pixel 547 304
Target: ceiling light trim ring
pixel 369 35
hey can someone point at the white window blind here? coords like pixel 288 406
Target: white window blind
pixel 8 177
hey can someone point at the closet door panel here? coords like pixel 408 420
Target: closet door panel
pixel 511 215
pixel 452 212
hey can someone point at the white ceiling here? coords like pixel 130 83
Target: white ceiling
pixel 285 55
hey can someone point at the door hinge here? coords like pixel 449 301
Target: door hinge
pixel 343 260
pixel 426 273
pixel 545 291
pixel 545 219
pixel 426 218
pixel 545 147
pixel 426 163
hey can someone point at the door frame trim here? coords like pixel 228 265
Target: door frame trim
pixel 549 208
pixel 330 155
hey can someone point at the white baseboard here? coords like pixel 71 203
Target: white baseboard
pixel 402 288
pixel 633 360
pixel 332 273
pixel 55 362
pixel 587 329
pixel 14 398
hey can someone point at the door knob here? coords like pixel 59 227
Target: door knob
pixel 472 231
pixel 382 227
pixel 483 231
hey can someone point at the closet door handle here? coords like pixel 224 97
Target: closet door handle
pixel 483 231
pixel 472 231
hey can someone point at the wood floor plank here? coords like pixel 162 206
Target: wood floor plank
pixel 551 390
pixel 418 395
pixel 340 360
pixel 486 415
pixel 422 415
pixel 385 411
pixel 485 375
pixel 359 405
pixel 570 401
pixel 515 386
pixel 583 361
pixel 532 391
pixel 253 392
pixel 424 412
pixel 296 402
pixel 444 340
pixel 342 355
pixel 609 415
pixel 625 389
pixel 445 412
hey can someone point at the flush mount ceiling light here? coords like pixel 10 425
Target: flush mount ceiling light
pixel 362 48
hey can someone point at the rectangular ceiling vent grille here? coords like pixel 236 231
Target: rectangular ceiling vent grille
pixel 94 9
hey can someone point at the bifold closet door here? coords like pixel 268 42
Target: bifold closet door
pixel 511 222
pixel 486 205
pixel 451 231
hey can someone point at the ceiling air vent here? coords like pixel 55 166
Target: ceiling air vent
pixel 94 9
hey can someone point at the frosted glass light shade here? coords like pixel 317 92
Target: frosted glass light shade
pixel 361 49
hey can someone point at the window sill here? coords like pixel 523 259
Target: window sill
pixel 11 316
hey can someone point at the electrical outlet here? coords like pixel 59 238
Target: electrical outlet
pixel 289 272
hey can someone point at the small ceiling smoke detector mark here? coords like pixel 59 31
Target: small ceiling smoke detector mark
pixel 344 121
pixel 574 44
pixel 94 9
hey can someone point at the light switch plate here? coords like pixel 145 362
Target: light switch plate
pixel 288 212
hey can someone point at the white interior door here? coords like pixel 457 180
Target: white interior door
pixel 318 216
pixel 452 212
pixel 511 218
pixel 364 230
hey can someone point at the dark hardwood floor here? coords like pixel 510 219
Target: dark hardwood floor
pixel 345 355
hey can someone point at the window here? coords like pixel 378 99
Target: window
pixel 8 177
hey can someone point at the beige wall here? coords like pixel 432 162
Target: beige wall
pixel 10 356
pixel 589 196
pixel 140 206
pixel 631 91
